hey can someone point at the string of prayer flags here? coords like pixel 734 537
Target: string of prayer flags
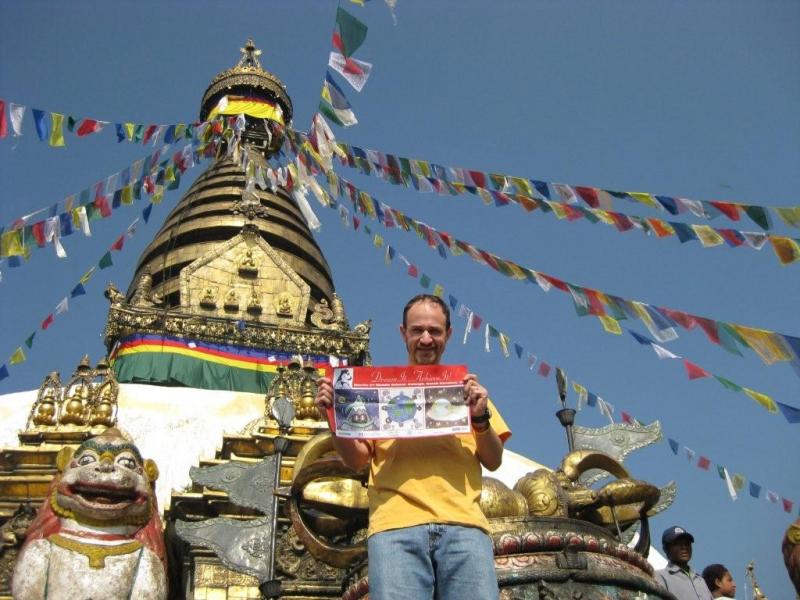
pixel 734 483
pixel 455 178
pixel 63 305
pixel 585 396
pixel 661 322
pixel 150 175
pixel 389 168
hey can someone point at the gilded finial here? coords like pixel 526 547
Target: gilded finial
pixel 250 55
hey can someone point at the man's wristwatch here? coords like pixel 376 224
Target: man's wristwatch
pixel 484 418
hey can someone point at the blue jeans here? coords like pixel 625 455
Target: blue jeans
pixel 446 562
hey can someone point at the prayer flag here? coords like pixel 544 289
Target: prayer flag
pixel 790 413
pixel 729 484
pixel 41 127
pixel 762 399
pixel 738 481
pixel 786 249
pixel 29 340
pixel 78 290
pixel 16 113
pixel 626 418
pixel 3 372
pixel 88 126
pixel 354 71
pixel 790 215
pixel 755 489
pixel 62 306
pixel 694 371
pixel 334 105
pixel 105 262
pixel 544 369
pixel 17 357
pixel 56 130
pixel 771 496
pixel 787 504
pixel 703 463
pixel 349 33
pixel 48 321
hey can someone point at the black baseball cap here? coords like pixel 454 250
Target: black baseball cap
pixel 673 533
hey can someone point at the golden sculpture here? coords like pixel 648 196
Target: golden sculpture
pixel 254 303
pixel 45 408
pixel 103 408
pixel 78 395
pixel 231 300
pixel 283 304
pixel 209 297
pixel 751 575
pixel 248 265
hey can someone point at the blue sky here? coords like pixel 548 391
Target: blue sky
pixel 688 99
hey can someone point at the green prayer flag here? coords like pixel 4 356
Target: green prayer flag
pixel 759 216
pixel 728 384
pixel 71 123
pixel 721 471
pixel 425 281
pixel 350 32
pixel 29 341
pixel 105 262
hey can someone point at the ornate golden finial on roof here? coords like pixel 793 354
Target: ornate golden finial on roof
pixel 250 55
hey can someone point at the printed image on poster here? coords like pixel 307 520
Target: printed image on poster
pixel 399 402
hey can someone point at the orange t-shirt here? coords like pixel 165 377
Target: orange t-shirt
pixel 427 480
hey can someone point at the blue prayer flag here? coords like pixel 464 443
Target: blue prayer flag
pixel 41 126
pixel 673 444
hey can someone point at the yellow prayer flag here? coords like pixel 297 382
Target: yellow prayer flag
pixel 423 167
pixel 87 276
pixel 762 399
pixel 523 185
pixel 764 343
pixel 458 186
pixel 485 195
pixel 169 174
pixel 438 290
pixel 127 195
pixel 644 198
pixel 707 236
pixel 517 272
pixel 604 216
pixel 377 240
pixel 11 243
pixel 558 209
pixel 368 206
pixel 790 215
pixel 504 339
pixel 738 481
pixel 180 129
pixel 17 357
pixel 158 195
pixel 130 129
pixel 610 324
pixel 57 129
pixel 785 248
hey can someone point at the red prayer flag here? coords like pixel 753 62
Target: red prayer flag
pixel 3 122
pixel 703 463
pixel 101 202
pixel 476 321
pixel 38 233
pixel 694 371
pixel 479 178
pixel 544 369
pixel 149 133
pixel 710 327
pixel 589 195
pixel 728 209
pixel 48 321
pixel 622 222
pixel 685 320
pixel 626 418
pixel 787 504
pixel 86 127
pixel 119 243
pixel 555 282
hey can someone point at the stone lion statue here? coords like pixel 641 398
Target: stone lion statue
pixel 98 533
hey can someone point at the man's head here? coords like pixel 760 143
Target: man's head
pixel 719 580
pixel 425 329
pixel 677 545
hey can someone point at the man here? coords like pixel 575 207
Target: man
pixel 427 534
pixel 678 577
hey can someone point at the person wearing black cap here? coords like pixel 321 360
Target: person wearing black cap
pixel 678 577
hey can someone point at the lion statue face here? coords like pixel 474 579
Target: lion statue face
pixel 105 481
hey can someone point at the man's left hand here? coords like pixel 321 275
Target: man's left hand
pixel 475 395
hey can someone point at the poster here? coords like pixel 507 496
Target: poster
pixel 400 402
